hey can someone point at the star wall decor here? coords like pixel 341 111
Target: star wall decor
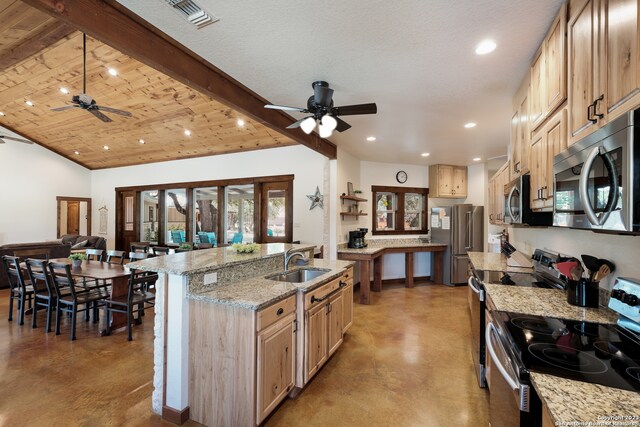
pixel 316 199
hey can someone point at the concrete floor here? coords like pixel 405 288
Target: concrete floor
pixel 406 361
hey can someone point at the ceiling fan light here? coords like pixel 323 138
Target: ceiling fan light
pixel 325 130
pixel 329 122
pixel 308 124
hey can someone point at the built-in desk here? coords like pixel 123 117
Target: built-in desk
pixel 377 248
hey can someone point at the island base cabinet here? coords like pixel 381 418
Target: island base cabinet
pixel 276 365
pixel 335 311
pixel 316 340
pixel 347 316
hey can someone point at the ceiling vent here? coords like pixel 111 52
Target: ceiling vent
pixel 192 12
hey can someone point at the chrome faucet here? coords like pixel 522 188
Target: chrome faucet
pixel 288 255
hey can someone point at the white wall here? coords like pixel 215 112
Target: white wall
pixel 348 170
pixel 32 177
pixel 307 166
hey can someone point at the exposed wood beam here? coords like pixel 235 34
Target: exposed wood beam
pixel 33 45
pixel 118 27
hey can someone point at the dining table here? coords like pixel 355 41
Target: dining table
pixel 101 271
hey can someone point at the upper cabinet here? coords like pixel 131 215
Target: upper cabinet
pixel 496 194
pixel 520 133
pixel 448 181
pixel 604 77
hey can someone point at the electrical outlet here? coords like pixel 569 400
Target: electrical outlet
pixel 211 278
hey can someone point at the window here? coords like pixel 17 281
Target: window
pixel 149 216
pixel 176 216
pixel 239 205
pixel 206 215
pixel 399 210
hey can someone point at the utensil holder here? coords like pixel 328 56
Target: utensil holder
pixel 583 293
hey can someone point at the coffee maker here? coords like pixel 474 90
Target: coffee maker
pixel 356 238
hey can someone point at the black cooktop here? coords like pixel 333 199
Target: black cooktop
pixel 591 352
pixel 511 279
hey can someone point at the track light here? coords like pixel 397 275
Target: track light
pixel 308 124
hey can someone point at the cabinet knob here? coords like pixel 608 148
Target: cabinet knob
pixel 280 311
pixel 342 284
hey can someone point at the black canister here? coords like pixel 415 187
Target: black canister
pixel 583 293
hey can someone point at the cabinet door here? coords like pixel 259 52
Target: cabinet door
pixel 556 142
pixel 460 181
pixel 524 132
pixel 316 340
pixel 538 163
pixel 583 44
pixel 537 90
pixel 622 69
pixel 335 321
pixel 445 180
pixel 347 307
pixel 276 367
pixel 515 143
pixel 555 62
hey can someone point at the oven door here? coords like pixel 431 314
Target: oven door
pixel 509 402
pixel 592 186
pixel 476 307
pixel 513 203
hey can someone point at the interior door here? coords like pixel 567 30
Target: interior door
pixel 73 217
pixel 127 223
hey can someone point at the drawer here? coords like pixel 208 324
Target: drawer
pixel 268 316
pixel 324 290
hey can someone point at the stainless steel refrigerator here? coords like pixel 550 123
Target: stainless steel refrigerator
pixel 461 227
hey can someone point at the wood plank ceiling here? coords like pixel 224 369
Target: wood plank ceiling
pixel 162 107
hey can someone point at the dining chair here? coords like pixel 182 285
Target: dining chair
pixel 177 236
pixel 43 288
pixel 137 296
pixel 203 237
pixel 70 302
pixel 94 254
pixel 237 238
pixel 138 255
pixel 115 257
pixel 160 250
pixel 18 288
pixel 140 247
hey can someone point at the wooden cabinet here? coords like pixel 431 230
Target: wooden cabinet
pixel 520 134
pixel 276 365
pixel 448 181
pixel 316 350
pixel 335 321
pixel 604 79
pixel 347 314
pixel 545 145
pixel 547 419
pixel 555 51
pixel 496 194
pixel 538 92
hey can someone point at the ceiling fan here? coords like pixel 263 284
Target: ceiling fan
pixel 86 102
pixel 11 138
pixel 320 105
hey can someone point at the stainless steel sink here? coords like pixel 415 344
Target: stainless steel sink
pixel 298 276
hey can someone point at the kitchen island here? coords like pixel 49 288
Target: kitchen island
pixel 222 328
pixel 377 248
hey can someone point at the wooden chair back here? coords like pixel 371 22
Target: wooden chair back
pixel 160 250
pixel 11 265
pixel 138 255
pixel 94 254
pixel 141 281
pixel 115 257
pixel 62 279
pixel 39 276
pixel 140 247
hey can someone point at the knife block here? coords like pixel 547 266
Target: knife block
pixel 518 259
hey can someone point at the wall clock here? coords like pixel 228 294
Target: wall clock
pixel 401 177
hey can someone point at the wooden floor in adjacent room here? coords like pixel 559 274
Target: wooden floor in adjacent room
pixel 406 361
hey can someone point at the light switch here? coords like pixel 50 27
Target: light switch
pixel 211 278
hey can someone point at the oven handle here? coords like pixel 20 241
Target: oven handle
pixel 472 286
pixel 512 382
pixel 513 218
pixel 584 193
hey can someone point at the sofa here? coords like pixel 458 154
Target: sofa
pixel 54 248
pixel 84 242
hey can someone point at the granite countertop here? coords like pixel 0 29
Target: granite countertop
pixel 377 245
pixel 198 261
pixel 578 403
pixel 258 292
pixel 544 302
pixel 489 261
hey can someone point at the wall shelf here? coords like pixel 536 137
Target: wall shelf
pixel 354 198
pixel 356 214
pixel 352 202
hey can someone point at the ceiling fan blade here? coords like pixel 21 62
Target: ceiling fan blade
pixel 342 125
pixel 297 124
pixel 99 115
pixel 322 95
pixel 11 138
pixel 112 110
pixel 285 108
pixel 351 110
pixel 66 107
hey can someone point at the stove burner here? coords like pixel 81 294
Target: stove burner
pixel 634 373
pixel 567 358
pixel 609 350
pixel 539 326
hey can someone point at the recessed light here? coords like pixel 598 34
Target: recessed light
pixel 187 132
pixel 485 46
pixel 29 103
pixel 76 152
pixel 64 90
pixel 141 141
pixel 477 159
pixel 113 71
pixel 470 125
pixel 240 122
pixel 1 114
pixel 371 138
pixel 425 154
pixel 106 147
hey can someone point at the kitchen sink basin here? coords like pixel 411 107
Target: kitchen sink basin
pixel 298 276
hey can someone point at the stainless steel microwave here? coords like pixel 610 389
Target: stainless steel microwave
pixel 597 179
pixel 517 204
